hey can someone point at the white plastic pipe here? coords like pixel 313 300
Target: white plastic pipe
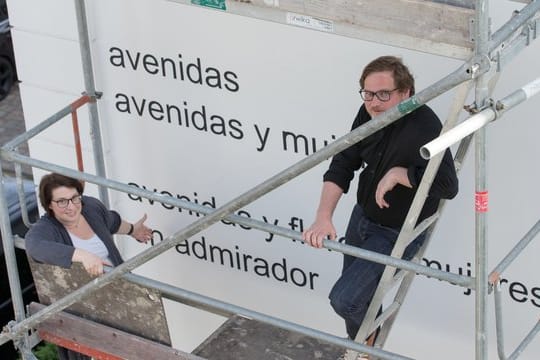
pixel 457 133
pixel 475 122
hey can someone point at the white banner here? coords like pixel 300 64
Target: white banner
pixel 203 105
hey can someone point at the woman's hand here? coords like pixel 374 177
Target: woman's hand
pixel 92 263
pixel 141 232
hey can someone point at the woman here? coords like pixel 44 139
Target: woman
pixel 77 228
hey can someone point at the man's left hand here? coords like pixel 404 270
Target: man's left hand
pixel 394 176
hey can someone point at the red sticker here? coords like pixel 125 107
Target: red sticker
pixel 481 201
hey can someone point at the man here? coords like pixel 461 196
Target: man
pixel 392 169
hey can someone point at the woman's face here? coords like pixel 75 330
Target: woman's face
pixel 66 205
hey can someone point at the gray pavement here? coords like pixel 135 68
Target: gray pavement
pixel 11 125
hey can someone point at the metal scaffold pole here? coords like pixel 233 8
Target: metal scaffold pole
pixel 95 131
pixel 12 268
pixel 481 194
pixel 478 70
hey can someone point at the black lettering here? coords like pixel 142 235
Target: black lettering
pixel 117 57
pixel 429 263
pixel 296 139
pixel 213 78
pixel 218 125
pixel 263 138
pixel 312 277
pixel 170 108
pixel 516 289
pixel 202 247
pixel 166 206
pixel 231 84
pixel 157 237
pixel 460 271
pixel 202 115
pixel 150 64
pixel 535 292
pixel 246 214
pixel 139 109
pixel 172 67
pixel 185 198
pixel 302 275
pixel 246 258
pixel 155 110
pixel 221 255
pixel 183 248
pixel 134 197
pixel 196 77
pixel 181 67
pixel 193 71
pixel 279 270
pixel 262 269
pixel 236 131
pixel 134 62
pixel 122 105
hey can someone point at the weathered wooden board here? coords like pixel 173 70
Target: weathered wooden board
pixel 100 341
pixel 243 339
pixel 121 304
pixel 442 27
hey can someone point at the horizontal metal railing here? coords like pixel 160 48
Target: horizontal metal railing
pixel 469 70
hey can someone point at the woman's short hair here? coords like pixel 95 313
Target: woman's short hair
pixel 52 181
pixel 403 78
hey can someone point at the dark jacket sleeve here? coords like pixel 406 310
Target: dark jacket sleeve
pixel 445 183
pixel 345 163
pixel 93 208
pixel 46 243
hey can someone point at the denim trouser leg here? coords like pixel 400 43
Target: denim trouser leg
pixel 352 293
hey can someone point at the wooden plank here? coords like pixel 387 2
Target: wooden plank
pixel 420 19
pixel 244 339
pixel 440 27
pixel 425 26
pixel 121 304
pixel 100 341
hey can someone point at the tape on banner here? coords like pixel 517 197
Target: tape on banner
pixel 481 201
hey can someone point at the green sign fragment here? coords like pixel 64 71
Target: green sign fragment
pixel 408 106
pixel 214 4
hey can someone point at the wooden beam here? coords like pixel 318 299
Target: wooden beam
pixel 428 26
pixel 100 341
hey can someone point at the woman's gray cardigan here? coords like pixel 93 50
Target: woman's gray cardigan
pixel 48 241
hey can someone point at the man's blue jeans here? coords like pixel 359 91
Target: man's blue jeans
pixel 352 293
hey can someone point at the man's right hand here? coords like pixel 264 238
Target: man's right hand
pixel 320 230
pixel 323 227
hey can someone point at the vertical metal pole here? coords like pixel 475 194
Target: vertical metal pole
pixel 499 321
pixel 11 259
pixel 95 131
pixel 481 194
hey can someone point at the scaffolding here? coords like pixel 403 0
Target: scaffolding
pixel 484 55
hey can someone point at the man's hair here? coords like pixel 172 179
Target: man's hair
pixel 52 181
pixel 403 78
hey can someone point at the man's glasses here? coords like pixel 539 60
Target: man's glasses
pixel 63 203
pixel 382 95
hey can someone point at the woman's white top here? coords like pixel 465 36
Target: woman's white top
pixel 93 245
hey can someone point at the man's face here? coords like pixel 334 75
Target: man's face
pixel 382 81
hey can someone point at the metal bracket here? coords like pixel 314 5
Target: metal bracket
pixel 477 63
pixel 96 96
pixel 530 31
